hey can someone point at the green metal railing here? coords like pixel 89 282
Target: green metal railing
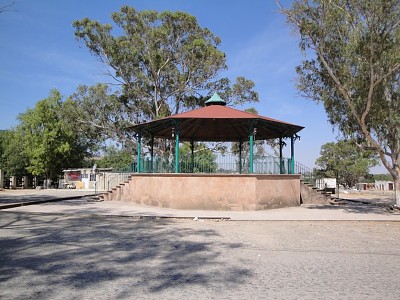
pixel 307 174
pixel 223 164
pixel 228 164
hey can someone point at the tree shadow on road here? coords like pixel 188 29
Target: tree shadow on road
pixel 370 206
pixel 10 199
pixel 41 255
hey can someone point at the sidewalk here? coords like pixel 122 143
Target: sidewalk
pixel 80 203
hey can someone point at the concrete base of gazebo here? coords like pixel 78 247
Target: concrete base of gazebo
pixel 210 191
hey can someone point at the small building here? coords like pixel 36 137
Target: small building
pixel 91 179
pixel 384 185
pixel 365 186
pixel 325 183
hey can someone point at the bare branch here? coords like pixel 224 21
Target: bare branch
pixel 6 7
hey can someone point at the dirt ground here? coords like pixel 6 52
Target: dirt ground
pixel 373 195
pixel 80 249
pixel 47 256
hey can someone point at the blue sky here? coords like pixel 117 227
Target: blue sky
pixel 38 52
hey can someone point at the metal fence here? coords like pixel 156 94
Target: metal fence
pixel 307 174
pixel 228 164
pixel 114 179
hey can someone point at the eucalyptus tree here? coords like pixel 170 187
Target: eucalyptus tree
pixel 118 158
pixel 353 68
pixel 99 113
pixel 162 62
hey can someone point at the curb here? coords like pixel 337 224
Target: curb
pixel 12 205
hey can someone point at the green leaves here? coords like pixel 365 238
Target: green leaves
pixel 115 158
pixel 354 69
pixel 204 159
pixel 163 62
pixel 48 142
pixel 160 58
pixel 12 158
pixel 346 161
pixel 99 113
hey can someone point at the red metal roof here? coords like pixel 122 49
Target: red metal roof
pixel 221 112
pixel 217 123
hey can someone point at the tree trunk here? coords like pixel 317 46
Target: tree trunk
pixel 397 190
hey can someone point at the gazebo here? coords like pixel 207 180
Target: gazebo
pixel 216 123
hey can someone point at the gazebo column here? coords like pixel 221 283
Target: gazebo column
pixel 280 156
pixel 176 146
pixel 292 154
pixel 240 156
pixel 192 157
pixel 152 154
pixel 251 167
pixel 139 148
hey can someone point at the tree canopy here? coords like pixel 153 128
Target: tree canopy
pixel 162 62
pixel 258 144
pixel 99 113
pixel 204 159
pixel 47 141
pixel 12 157
pixel 344 161
pixel 116 158
pixel 383 177
pixel 353 68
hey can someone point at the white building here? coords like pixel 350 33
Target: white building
pixel 325 183
pixel 101 179
pixel 384 185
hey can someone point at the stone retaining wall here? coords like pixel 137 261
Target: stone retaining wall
pixel 211 191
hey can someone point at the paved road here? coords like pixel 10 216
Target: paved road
pixel 66 256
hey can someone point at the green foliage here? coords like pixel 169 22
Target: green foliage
pixel 12 158
pixel 115 158
pixel 204 159
pixel 354 69
pixel 49 143
pixel 99 113
pixel 258 144
pixel 368 178
pixel 383 177
pixel 165 63
pixel 159 58
pixel 345 161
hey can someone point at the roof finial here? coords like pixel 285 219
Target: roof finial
pixel 215 100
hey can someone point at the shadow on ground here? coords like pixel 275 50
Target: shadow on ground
pixel 44 255
pixel 370 206
pixel 10 199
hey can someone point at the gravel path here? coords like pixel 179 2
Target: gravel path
pixel 45 256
